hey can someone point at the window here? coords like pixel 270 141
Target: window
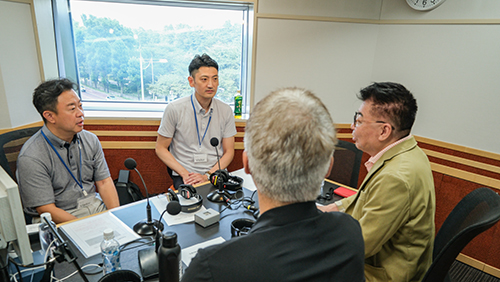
pixel 134 55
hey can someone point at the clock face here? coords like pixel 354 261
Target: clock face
pixel 424 5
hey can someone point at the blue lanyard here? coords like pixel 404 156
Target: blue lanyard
pixel 80 183
pixel 196 120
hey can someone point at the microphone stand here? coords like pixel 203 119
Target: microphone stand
pixel 61 253
pixel 148 226
pixel 219 195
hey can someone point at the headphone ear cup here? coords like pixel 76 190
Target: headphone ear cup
pixel 122 275
pixel 173 206
pixel 187 191
pixel 234 183
pixel 219 176
pixel 171 195
pixel 225 175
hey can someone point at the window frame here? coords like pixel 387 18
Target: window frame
pixel 67 61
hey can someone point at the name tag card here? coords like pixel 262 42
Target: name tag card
pixel 200 158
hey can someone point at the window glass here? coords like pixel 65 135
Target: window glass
pixel 139 53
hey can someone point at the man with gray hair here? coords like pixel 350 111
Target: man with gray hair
pixel 289 144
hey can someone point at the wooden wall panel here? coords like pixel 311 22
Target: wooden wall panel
pixel 149 165
pixel 457 171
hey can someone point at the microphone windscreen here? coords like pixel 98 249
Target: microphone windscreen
pixel 130 163
pixel 214 141
pixel 173 208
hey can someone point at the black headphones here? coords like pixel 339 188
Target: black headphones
pixel 187 192
pixel 230 182
pixel 322 199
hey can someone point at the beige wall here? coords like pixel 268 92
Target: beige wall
pixel 448 57
pixel 19 67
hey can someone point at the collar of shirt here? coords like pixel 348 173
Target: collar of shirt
pixel 283 215
pixel 200 109
pixel 371 161
pixel 56 141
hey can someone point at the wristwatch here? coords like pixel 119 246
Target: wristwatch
pixel 208 175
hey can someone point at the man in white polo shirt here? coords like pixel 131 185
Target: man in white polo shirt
pixel 189 123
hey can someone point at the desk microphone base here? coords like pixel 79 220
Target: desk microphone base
pixel 145 228
pixel 218 196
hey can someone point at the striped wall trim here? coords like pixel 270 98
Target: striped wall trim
pixel 93 121
pixel 241 124
pixel 148 145
pixel 465 175
pixel 464 149
pixel 125 133
pixel 151 121
pixel 239 146
pixel 344 136
pixel 139 133
pixel 144 145
pixel 463 161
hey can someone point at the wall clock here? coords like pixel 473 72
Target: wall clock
pixel 424 5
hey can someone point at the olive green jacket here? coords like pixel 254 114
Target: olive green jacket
pixel 395 206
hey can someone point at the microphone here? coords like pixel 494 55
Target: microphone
pixel 215 142
pixel 148 226
pixel 174 207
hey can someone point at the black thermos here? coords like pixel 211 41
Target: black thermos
pixel 169 258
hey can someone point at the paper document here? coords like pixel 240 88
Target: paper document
pixel 188 254
pixel 87 233
pixel 160 203
pixel 247 179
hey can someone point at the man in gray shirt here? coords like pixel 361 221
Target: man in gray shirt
pixel 190 122
pixel 60 166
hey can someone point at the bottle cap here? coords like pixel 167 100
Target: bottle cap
pixel 108 234
pixel 46 215
pixel 169 239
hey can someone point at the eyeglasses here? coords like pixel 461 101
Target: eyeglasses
pixel 356 121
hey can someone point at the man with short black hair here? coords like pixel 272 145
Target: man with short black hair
pixel 395 204
pixel 289 144
pixel 188 124
pixel 60 167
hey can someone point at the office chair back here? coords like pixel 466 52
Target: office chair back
pixel 10 146
pixel 475 213
pixel 346 164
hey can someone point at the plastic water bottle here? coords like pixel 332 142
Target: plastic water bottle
pixel 110 249
pixel 44 232
pixel 169 258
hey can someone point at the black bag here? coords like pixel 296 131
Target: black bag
pixel 128 191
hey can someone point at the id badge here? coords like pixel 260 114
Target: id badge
pixel 200 158
pixel 85 201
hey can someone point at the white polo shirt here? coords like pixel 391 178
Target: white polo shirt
pixel 179 123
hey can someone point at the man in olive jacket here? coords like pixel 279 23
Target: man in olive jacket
pixel 395 204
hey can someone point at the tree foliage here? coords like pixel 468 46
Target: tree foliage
pixel 109 58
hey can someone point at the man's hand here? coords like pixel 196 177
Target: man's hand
pixel 194 178
pixel 328 208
